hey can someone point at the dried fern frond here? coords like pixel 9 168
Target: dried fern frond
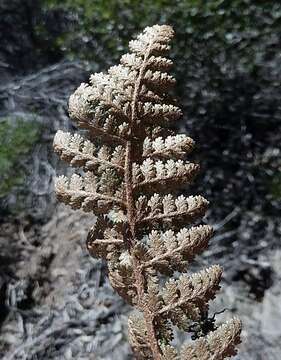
pixel 130 177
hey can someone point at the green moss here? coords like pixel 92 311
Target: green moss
pixel 275 187
pixel 17 140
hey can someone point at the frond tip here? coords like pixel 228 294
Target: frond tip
pixel 156 38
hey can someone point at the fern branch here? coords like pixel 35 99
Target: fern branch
pixel 217 345
pixel 177 146
pixel 79 152
pixel 110 138
pixel 93 118
pixel 80 194
pixel 152 175
pixel 169 209
pixel 183 246
pixel 196 289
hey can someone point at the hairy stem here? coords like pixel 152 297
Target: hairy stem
pixel 138 270
pixel 129 193
pixel 142 306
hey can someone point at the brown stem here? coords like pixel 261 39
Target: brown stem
pixel 138 271
pixel 142 306
pixel 129 192
pixel 186 215
pixel 149 320
pixel 97 195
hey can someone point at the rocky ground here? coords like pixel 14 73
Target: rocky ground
pixel 59 304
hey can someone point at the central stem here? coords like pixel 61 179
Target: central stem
pixel 140 281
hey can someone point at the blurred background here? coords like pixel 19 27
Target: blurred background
pixel 55 301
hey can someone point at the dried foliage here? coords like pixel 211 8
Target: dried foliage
pixel 130 178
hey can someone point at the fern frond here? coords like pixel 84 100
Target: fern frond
pixel 131 172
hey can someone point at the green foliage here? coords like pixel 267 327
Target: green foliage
pixel 275 186
pixel 218 22
pixel 17 139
